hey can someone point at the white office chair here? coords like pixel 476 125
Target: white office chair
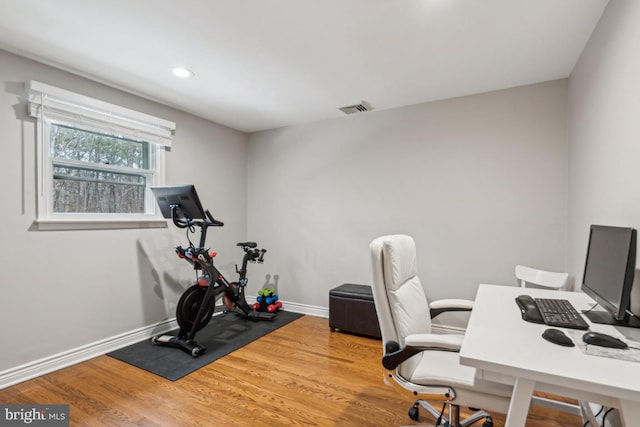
pixel 416 361
pixel 541 278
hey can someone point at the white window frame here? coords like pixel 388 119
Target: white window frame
pixel 49 104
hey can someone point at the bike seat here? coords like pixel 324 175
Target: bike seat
pixel 247 244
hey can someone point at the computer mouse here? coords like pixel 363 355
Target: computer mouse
pixel 556 336
pixel 603 340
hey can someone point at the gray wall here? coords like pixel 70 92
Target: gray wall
pixel 604 132
pixel 480 182
pixel 65 289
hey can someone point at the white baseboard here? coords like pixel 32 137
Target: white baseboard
pixel 67 358
pixel 311 310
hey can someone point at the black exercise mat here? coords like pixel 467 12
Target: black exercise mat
pixel 223 335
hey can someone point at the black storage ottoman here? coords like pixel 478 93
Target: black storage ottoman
pixel 351 309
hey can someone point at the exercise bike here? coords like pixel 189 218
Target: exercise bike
pixel 197 304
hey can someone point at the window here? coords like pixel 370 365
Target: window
pixel 98 173
pixel 96 161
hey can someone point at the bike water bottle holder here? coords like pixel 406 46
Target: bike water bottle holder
pixel 198 257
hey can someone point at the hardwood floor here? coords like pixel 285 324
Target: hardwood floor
pixel 299 375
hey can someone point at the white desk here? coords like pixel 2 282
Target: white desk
pixel 506 349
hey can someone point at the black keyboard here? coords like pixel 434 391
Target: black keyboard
pixel 561 313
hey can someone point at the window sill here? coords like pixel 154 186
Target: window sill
pixel 96 224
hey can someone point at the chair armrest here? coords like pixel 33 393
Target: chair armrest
pixel 417 343
pixel 441 306
pixel 449 342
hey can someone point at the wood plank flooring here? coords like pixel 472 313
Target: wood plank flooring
pixel 299 375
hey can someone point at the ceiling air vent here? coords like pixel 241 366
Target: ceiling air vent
pixel 358 108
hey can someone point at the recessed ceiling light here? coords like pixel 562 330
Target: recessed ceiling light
pixel 182 72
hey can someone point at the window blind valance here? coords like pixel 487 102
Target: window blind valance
pixel 69 107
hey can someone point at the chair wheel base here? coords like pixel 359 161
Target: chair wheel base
pixel 414 413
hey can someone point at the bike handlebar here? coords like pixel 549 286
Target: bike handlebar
pixel 184 222
pixel 213 221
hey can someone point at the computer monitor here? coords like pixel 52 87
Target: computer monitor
pixel 608 272
pixel 184 196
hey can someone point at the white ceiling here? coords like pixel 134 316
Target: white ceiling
pixel 262 64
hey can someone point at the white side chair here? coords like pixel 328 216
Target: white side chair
pixel 550 280
pixel 541 278
pixel 416 360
